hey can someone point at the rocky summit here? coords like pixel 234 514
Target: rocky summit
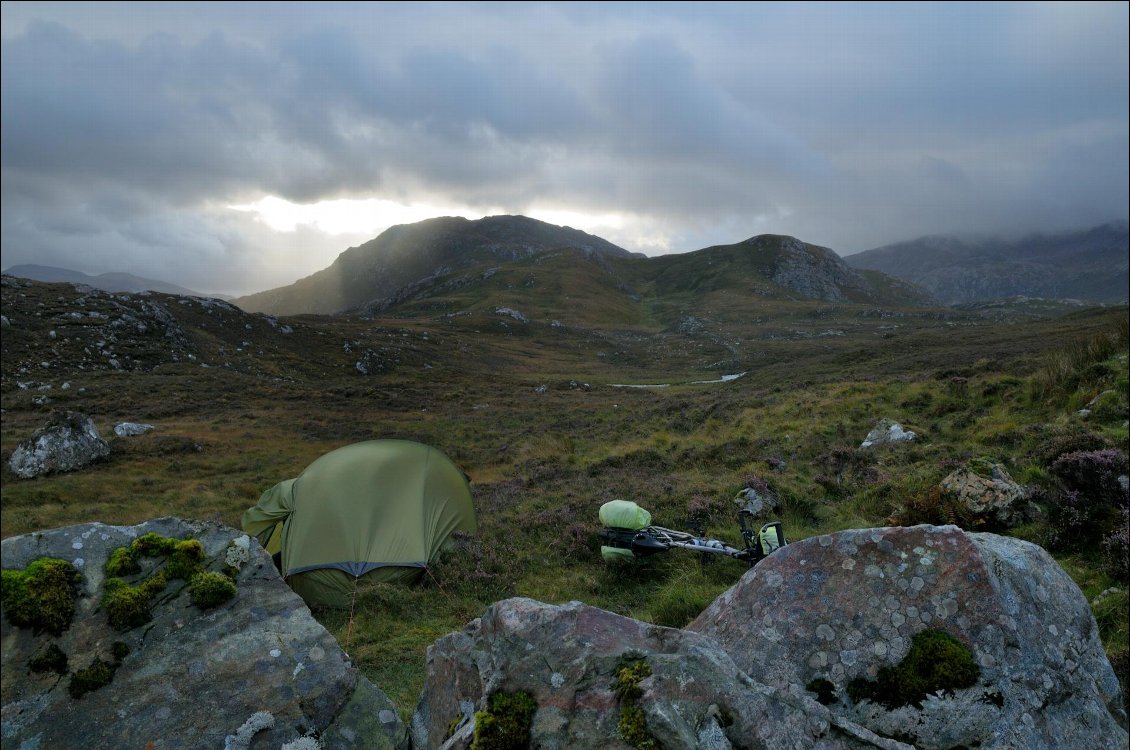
pixel 184 670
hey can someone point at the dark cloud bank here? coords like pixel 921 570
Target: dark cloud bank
pixel 129 130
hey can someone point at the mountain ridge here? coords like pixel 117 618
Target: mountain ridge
pixel 1089 265
pixel 437 257
pixel 112 281
pixel 406 254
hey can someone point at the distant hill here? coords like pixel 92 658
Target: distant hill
pixel 107 282
pixel 410 254
pixel 776 266
pixel 1089 265
pixel 451 265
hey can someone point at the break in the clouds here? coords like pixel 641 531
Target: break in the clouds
pixel 237 147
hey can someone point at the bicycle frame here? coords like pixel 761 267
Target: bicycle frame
pixel 654 539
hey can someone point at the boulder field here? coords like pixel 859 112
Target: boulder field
pixel 901 637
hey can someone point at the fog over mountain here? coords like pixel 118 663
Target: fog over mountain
pixel 1091 265
pixel 239 147
pixel 110 282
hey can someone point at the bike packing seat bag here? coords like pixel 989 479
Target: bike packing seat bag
pixel 624 514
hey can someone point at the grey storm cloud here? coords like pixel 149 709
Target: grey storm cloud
pixel 128 130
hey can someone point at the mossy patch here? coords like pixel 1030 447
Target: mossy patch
pixel 99 674
pixel 122 562
pixel 42 595
pixel 153 545
pixel 128 606
pixel 936 661
pixel 505 725
pixel 208 589
pixel 628 677
pixel 184 561
pixel 632 723
pixel 50 658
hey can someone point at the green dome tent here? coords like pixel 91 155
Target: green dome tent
pixel 381 508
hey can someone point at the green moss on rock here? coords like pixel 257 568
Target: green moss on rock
pixel 184 561
pixel 936 661
pixel 153 545
pixel 126 606
pixel 122 562
pixel 42 595
pixel 632 723
pixel 208 589
pixel 50 658
pixel 628 677
pixel 505 725
pixel 97 675
pixel 633 728
pixel 130 606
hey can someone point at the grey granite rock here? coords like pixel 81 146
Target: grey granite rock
pixel 68 442
pixel 566 657
pixel 844 605
pixel 256 671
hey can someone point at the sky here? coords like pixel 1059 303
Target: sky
pixel 237 147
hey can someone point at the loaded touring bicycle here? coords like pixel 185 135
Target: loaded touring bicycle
pixel 628 534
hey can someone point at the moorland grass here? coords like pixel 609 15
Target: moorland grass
pixel 543 463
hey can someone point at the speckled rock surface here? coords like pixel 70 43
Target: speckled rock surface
pixel 844 605
pixel 566 657
pixel 990 493
pixel 68 442
pixel 257 671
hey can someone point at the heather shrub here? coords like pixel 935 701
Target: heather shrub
pixel 1051 449
pixel 1084 509
pixel 1074 520
pixel 1116 548
pixel 703 510
pixel 1094 473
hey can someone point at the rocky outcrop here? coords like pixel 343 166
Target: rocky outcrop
pixel 131 429
pixel 510 312
pixel 844 606
pixel 684 690
pixel 813 272
pixel 68 442
pixel 887 432
pixel 254 671
pixel 986 490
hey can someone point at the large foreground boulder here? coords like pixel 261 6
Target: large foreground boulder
pixel 69 441
pixel 839 608
pixel 253 670
pixel 594 679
